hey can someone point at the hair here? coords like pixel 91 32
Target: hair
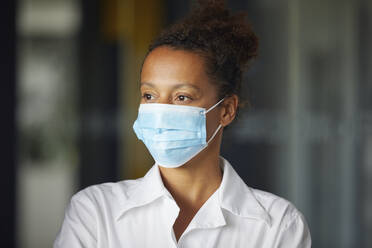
pixel 225 40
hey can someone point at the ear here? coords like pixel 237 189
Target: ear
pixel 228 109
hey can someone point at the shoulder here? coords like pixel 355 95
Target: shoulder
pixel 249 202
pixel 91 211
pixel 110 194
pixel 281 211
pixel 288 225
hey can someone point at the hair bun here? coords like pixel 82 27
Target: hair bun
pixel 230 32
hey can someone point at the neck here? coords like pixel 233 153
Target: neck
pixel 193 183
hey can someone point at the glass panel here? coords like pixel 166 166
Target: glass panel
pixel 46 117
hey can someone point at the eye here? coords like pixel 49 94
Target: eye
pixel 148 97
pixel 183 98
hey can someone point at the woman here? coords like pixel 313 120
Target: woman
pixel 191 197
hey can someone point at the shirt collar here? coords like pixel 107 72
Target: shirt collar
pixel 142 191
pixel 238 198
pixel 233 195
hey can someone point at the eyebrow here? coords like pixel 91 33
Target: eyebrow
pixel 177 86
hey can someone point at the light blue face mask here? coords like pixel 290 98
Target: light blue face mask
pixel 173 134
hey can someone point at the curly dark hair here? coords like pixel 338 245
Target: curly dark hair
pixel 225 40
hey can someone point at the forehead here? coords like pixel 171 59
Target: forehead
pixel 165 65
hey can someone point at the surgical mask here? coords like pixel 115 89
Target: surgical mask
pixel 173 134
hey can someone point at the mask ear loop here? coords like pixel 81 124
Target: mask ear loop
pixel 211 108
pixel 219 126
pixel 214 134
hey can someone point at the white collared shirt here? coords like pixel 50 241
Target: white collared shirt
pixel 141 213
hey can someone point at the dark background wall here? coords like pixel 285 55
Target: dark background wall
pixel 8 132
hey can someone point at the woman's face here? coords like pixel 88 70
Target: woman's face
pixel 179 77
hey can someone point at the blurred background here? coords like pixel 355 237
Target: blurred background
pixel 70 71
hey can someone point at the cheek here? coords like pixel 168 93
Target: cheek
pixel 213 120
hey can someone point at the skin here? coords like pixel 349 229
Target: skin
pixel 178 77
